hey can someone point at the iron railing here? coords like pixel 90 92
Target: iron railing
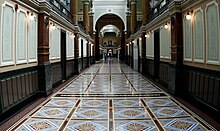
pixel 158 9
pixel 61 9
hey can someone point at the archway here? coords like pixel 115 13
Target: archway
pixel 105 21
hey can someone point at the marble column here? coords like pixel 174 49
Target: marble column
pixel 122 52
pixel 44 65
pixel 128 17
pixel 76 54
pixel 133 15
pixel 86 15
pixel 74 11
pixel 145 11
pixel 91 14
pixel 175 74
pixel 143 56
pixel 97 50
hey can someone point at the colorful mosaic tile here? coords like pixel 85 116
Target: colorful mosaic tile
pixel 182 124
pixel 169 112
pixel 127 103
pixel 53 112
pixel 94 103
pixel 131 113
pixel 40 125
pixel 135 126
pixel 61 102
pixel 159 102
pixel 91 113
pixel 87 126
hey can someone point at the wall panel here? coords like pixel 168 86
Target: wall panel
pixel 198 36
pixel 21 37
pixel 212 27
pixel 16 87
pixel 7 31
pixel 187 28
pixel 32 40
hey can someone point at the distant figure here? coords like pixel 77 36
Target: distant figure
pixel 105 57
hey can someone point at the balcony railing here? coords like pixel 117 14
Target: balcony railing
pixel 61 9
pixel 158 9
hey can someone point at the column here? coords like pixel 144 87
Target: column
pixel 175 86
pixel 86 15
pixel 128 17
pixel 88 53
pixel 143 48
pixel 145 11
pixel 97 51
pixel 122 52
pixel 74 11
pixel 133 15
pixel 91 14
pixel 44 70
pixel 132 54
pixel 76 54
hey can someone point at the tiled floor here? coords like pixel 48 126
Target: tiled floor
pixel 111 97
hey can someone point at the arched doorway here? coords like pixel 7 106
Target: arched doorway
pixel 108 22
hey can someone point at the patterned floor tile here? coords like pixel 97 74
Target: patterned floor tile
pixel 110 96
pixel 40 125
pixel 62 102
pixel 131 113
pixel 159 102
pixel 182 124
pixel 127 103
pixel 48 112
pixel 91 113
pixel 94 103
pixel 87 126
pixel 135 125
pixel 164 112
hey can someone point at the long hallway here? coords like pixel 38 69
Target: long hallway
pixel 110 96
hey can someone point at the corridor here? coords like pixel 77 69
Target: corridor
pixel 110 96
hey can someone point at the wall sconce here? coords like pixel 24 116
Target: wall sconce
pixel 53 27
pixel 189 15
pixel 127 44
pixel 31 17
pixel 147 36
pixel 166 26
pixel 140 38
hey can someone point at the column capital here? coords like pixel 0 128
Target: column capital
pixel 85 1
pixel 128 13
pixel 133 2
pixel 91 13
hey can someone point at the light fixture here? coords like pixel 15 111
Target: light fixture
pixel 127 44
pixel 147 36
pixel 53 27
pixel 188 16
pixel 140 38
pixel 31 17
pixel 166 26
